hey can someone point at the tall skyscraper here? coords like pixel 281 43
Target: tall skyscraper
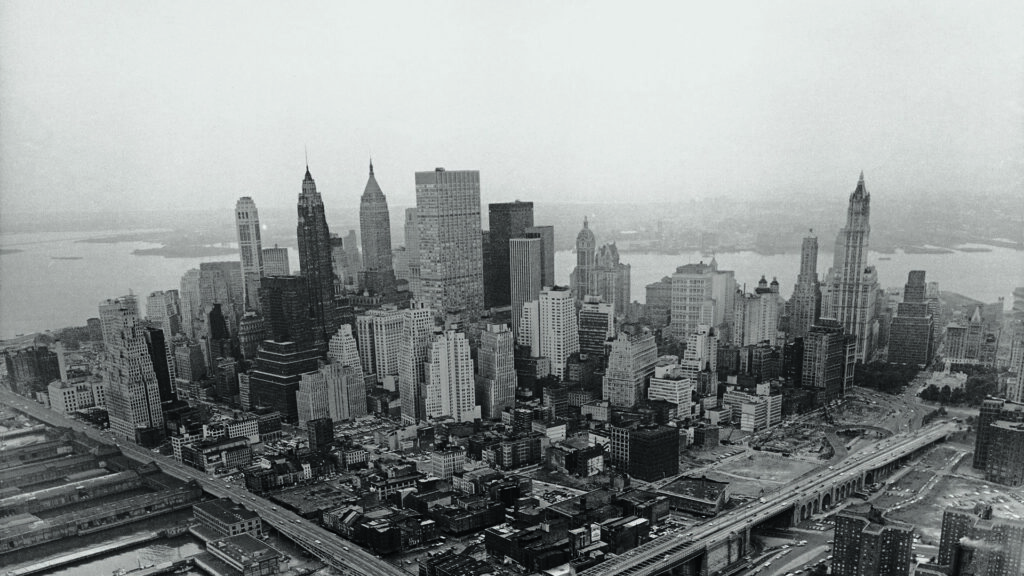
pixel 250 249
pixel 450 389
pixel 525 263
pixel 701 295
pixel 853 285
pixel 112 314
pixel 161 355
pixel 586 258
pixel 550 328
pixel 412 252
pixel 286 305
pixel 191 303
pixel 597 325
pixel 912 329
pixel 132 389
pixel 375 227
pixel 805 306
pixel 331 391
pixel 496 374
pixel 506 220
pixel 163 308
pixel 825 359
pixel 995 411
pixel 275 262
pixel 315 261
pixel 379 333
pixel 868 544
pixel 547 251
pixel 417 328
pixel 451 251
pixel 631 362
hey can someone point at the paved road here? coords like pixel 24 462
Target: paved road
pixel 338 553
pixel 648 558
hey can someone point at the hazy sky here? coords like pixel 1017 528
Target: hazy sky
pixel 136 105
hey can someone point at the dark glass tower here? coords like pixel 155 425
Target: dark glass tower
pixel 315 262
pixel 506 220
pixel 375 227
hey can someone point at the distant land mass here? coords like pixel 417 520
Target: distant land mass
pixel 9 251
pixel 185 251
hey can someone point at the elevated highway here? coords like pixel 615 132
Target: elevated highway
pixel 340 554
pixel 717 547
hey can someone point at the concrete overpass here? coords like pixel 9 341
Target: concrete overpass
pixel 717 547
pixel 336 552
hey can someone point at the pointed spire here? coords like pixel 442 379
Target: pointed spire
pixel 371 165
pixel 585 225
pixel 309 177
pixel 861 181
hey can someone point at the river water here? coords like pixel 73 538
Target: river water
pixel 55 280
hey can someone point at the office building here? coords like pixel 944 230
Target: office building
pixel 525 262
pixel 825 362
pixel 133 393
pixel 550 329
pixel 653 452
pixel 112 316
pixel 506 220
pixel 658 302
pixel 669 383
pixel 597 325
pixel 161 355
pixel 852 285
pixel 379 333
pixel 631 362
pixel 911 332
pixel 320 434
pixel 412 252
pixel 375 227
pixel 342 349
pixel 251 332
pixel 250 249
pixel 317 269
pixel 275 376
pixel 868 544
pixel 331 391
pixel 701 295
pixel 275 262
pixel 163 310
pixel 805 305
pixel 450 389
pixel 414 346
pixel 286 305
pixel 546 235
pixel 450 242
pixel 496 374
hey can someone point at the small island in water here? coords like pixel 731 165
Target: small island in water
pixel 65 257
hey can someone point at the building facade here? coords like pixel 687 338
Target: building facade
pixel 250 249
pixel 450 242
pixel 375 227
pixel 315 264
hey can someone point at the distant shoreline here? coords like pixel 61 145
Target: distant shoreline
pixel 170 251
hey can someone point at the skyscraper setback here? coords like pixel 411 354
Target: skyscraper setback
pixel 250 249
pixel 451 245
pixel 315 261
pixel 853 285
pixel 375 227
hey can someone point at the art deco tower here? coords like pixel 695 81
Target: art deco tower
pixel 247 221
pixel 806 303
pixel 853 285
pixel 315 262
pixel 375 227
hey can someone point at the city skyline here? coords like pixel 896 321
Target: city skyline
pixel 803 94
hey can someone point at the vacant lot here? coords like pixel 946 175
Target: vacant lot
pixel 749 475
pixel 958 492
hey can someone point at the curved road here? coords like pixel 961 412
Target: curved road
pixel 651 557
pixel 338 553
